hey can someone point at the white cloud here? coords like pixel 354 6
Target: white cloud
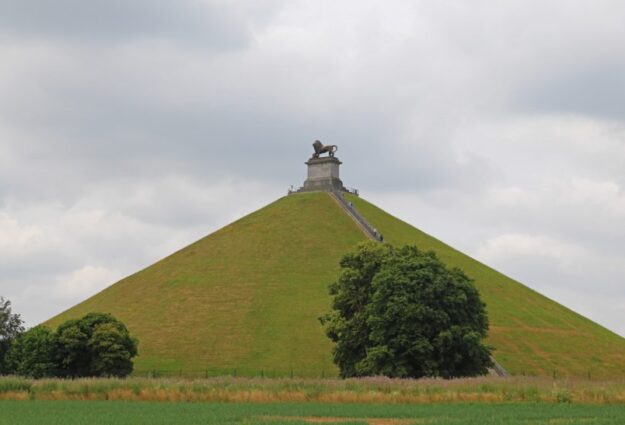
pixel 520 245
pixel 14 237
pixel 84 282
pixel 583 279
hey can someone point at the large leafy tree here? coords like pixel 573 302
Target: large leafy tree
pixel 403 313
pixel 33 353
pixel 96 345
pixel 11 326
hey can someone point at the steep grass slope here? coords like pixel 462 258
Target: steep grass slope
pixel 246 297
pixel 531 333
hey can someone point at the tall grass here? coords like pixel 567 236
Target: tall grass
pixel 368 390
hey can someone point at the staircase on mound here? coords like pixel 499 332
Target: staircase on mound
pixel 364 225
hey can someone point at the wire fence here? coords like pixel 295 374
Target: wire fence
pixel 235 372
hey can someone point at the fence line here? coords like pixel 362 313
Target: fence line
pixel 234 372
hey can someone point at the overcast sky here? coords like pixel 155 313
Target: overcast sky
pixel 130 128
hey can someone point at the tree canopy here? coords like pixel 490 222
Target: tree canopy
pixel 96 345
pixel 11 326
pixel 401 312
pixel 33 353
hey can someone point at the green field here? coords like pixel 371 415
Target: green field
pixel 245 301
pixel 120 413
pixel 369 401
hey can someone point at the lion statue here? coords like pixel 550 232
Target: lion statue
pixel 321 148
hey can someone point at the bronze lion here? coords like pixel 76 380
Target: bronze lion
pixel 321 148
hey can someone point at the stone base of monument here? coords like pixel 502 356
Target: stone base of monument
pixel 323 174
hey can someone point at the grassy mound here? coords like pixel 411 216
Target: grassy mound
pixel 245 300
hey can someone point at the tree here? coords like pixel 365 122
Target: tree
pixel 72 354
pixel 113 350
pixel 96 345
pixel 33 353
pixel 11 326
pixel 403 313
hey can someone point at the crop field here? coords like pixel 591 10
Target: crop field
pixel 154 413
pixel 370 401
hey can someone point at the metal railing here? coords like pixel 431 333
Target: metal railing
pixel 349 207
pixel 351 190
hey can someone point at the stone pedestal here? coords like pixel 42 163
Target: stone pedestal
pixel 323 174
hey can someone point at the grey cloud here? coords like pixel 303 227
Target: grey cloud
pixel 212 25
pixel 594 91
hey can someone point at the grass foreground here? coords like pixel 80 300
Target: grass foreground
pixel 486 390
pixel 121 413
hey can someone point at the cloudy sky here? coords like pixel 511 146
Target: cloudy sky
pixel 130 128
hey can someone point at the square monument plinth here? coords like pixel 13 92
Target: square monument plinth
pixel 323 174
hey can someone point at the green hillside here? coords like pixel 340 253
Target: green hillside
pixel 247 298
pixel 531 333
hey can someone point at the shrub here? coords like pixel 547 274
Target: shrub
pixel 33 353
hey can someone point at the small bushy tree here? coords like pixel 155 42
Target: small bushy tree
pixel 112 349
pixel 96 345
pixel 33 353
pixel 403 313
pixel 11 326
